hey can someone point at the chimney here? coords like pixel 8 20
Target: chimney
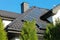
pixel 24 7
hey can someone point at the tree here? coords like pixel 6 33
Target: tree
pixel 3 34
pixel 29 31
pixel 53 31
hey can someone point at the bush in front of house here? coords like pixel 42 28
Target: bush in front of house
pixel 3 34
pixel 52 31
pixel 29 31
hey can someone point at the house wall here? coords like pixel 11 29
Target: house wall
pixel 6 22
pixel 55 17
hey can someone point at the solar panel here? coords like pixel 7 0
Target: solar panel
pixel 34 14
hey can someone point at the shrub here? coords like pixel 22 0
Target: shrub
pixel 3 34
pixel 52 31
pixel 29 31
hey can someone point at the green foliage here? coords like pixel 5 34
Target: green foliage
pixel 3 34
pixel 29 31
pixel 53 31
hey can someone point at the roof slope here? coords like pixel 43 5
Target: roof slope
pixel 33 13
pixel 8 14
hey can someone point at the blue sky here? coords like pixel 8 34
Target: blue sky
pixel 14 5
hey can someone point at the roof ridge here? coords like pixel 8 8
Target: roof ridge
pixel 39 7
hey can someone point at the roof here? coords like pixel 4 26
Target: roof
pixel 33 13
pixel 7 14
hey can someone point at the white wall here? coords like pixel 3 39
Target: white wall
pixel 5 22
pixel 56 16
